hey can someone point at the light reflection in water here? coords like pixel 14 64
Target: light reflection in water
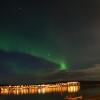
pixel 40 89
pixel 73 89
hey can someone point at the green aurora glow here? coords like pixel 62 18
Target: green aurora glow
pixel 13 43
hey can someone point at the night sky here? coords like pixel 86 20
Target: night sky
pixel 45 40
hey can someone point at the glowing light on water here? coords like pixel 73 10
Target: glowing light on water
pixel 71 87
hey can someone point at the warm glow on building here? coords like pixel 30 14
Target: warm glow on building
pixel 40 89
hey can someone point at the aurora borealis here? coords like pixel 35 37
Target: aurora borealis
pixel 49 39
pixel 21 44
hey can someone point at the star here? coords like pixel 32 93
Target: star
pixel 20 8
pixel 49 55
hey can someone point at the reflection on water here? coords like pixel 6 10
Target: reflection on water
pixel 69 90
pixel 73 87
pixel 41 89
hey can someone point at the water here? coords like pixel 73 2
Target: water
pixel 56 93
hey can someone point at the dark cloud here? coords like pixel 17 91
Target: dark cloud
pixel 14 64
pixel 89 74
